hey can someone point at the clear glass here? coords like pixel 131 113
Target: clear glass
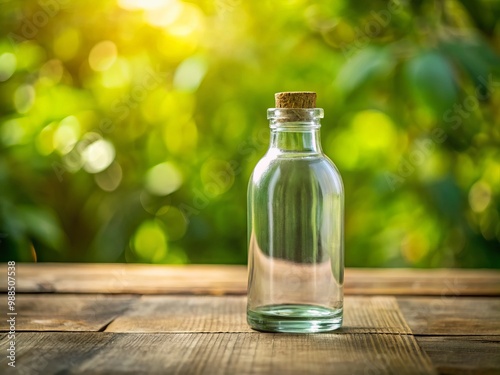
pixel 295 230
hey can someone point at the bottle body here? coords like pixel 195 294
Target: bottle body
pixel 295 234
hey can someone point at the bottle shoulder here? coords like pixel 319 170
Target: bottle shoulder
pixel 269 163
pixel 295 170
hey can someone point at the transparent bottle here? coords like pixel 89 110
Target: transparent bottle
pixel 295 226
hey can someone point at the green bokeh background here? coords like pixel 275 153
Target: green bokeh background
pixel 129 129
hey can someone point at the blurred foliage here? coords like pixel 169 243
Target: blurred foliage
pixel 129 129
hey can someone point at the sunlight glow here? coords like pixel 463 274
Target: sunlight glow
pixel 479 196
pixel 24 98
pixel 189 21
pixel 67 134
pixel 165 15
pixel 118 74
pixel 98 156
pixel 12 132
pixel 110 178
pixel 8 64
pixel 373 130
pixel 189 74
pixel 142 4
pixel 103 55
pixel 163 179
pixel 150 241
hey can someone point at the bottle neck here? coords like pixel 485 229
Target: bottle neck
pixel 295 141
pixel 295 130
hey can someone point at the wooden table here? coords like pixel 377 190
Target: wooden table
pixel 134 319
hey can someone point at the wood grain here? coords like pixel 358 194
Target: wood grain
pixel 218 353
pixel 219 280
pixel 191 320
pixel 228 314
pixel 422 282
pixel 460 355
pixel 50 312
pixel 183 314
pixel 451 315
pixel 128 278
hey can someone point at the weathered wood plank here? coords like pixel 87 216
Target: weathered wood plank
pixel 451 315
pixel 228 314
pixel 40 353
pixel 431 282
pixel 183 314
pixel 460 355
pixel 218 280
pixel 128 278
pixel 50 312
pixel 218 353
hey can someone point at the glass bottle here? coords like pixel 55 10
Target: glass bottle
pixel 295 226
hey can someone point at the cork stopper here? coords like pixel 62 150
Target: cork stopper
pixel 295 99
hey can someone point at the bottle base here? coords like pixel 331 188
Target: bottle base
pixel 294 318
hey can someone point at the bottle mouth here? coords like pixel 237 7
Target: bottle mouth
pixel 295 114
